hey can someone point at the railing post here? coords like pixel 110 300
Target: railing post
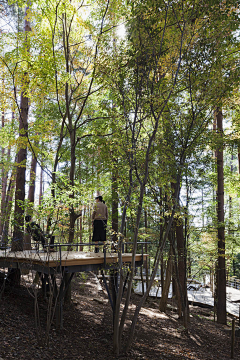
pixel 60 254
pixel 104 254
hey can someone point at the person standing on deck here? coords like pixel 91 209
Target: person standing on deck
pixel 99 221
pixel 35 231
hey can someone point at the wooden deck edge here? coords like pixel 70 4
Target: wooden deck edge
pixel 50 262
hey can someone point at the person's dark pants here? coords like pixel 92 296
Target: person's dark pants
pixel 99 232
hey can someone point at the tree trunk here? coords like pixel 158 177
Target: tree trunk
pixel 81 211
pixel 146 247
pixel 31 193
pixel 73 216
pixel 41 187
pixel 157 259
pixel 143 299
pixel 71 178
pixel 3 200
pixel 32 185
pixel 17 243
pixel 8 208
pixel 114 201
pixel 175 283
pixel 4 184
pixel 163 268
pixel 239 158
pixel 167 281
pixel 182 268
pixel 221 264
pixel 81 229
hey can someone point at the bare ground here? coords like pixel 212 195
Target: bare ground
pixel 87 332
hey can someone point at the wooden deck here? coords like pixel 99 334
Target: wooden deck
pixel 60 262
pixel 64 258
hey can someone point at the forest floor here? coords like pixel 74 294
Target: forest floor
pixel 87 332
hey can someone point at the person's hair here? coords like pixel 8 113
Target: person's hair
pixel 99 197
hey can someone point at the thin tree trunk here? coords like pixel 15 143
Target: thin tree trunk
pixel 214 285
pixel 8 208
pixel 41 187
pixel 143 299
pixel 31 193
pixel 146 246
pixel 89 224
pixel 221 264
pixel 163 268
pixel 32 185
pixel 3 194
pixel 4 184
pixel 114 201
pixel 81 212
pixel 73 216
pixel 167 282
pixel 4 181
pixel 239 158
pixel 162 241
pixel 182 269
pixel 81 229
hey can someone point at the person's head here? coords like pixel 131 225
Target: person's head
pixel 99 198
pixel 28 218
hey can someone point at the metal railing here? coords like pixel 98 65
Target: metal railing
pixel 71 246
pixel 233 282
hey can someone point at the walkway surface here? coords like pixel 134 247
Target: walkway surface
pixel 203 296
